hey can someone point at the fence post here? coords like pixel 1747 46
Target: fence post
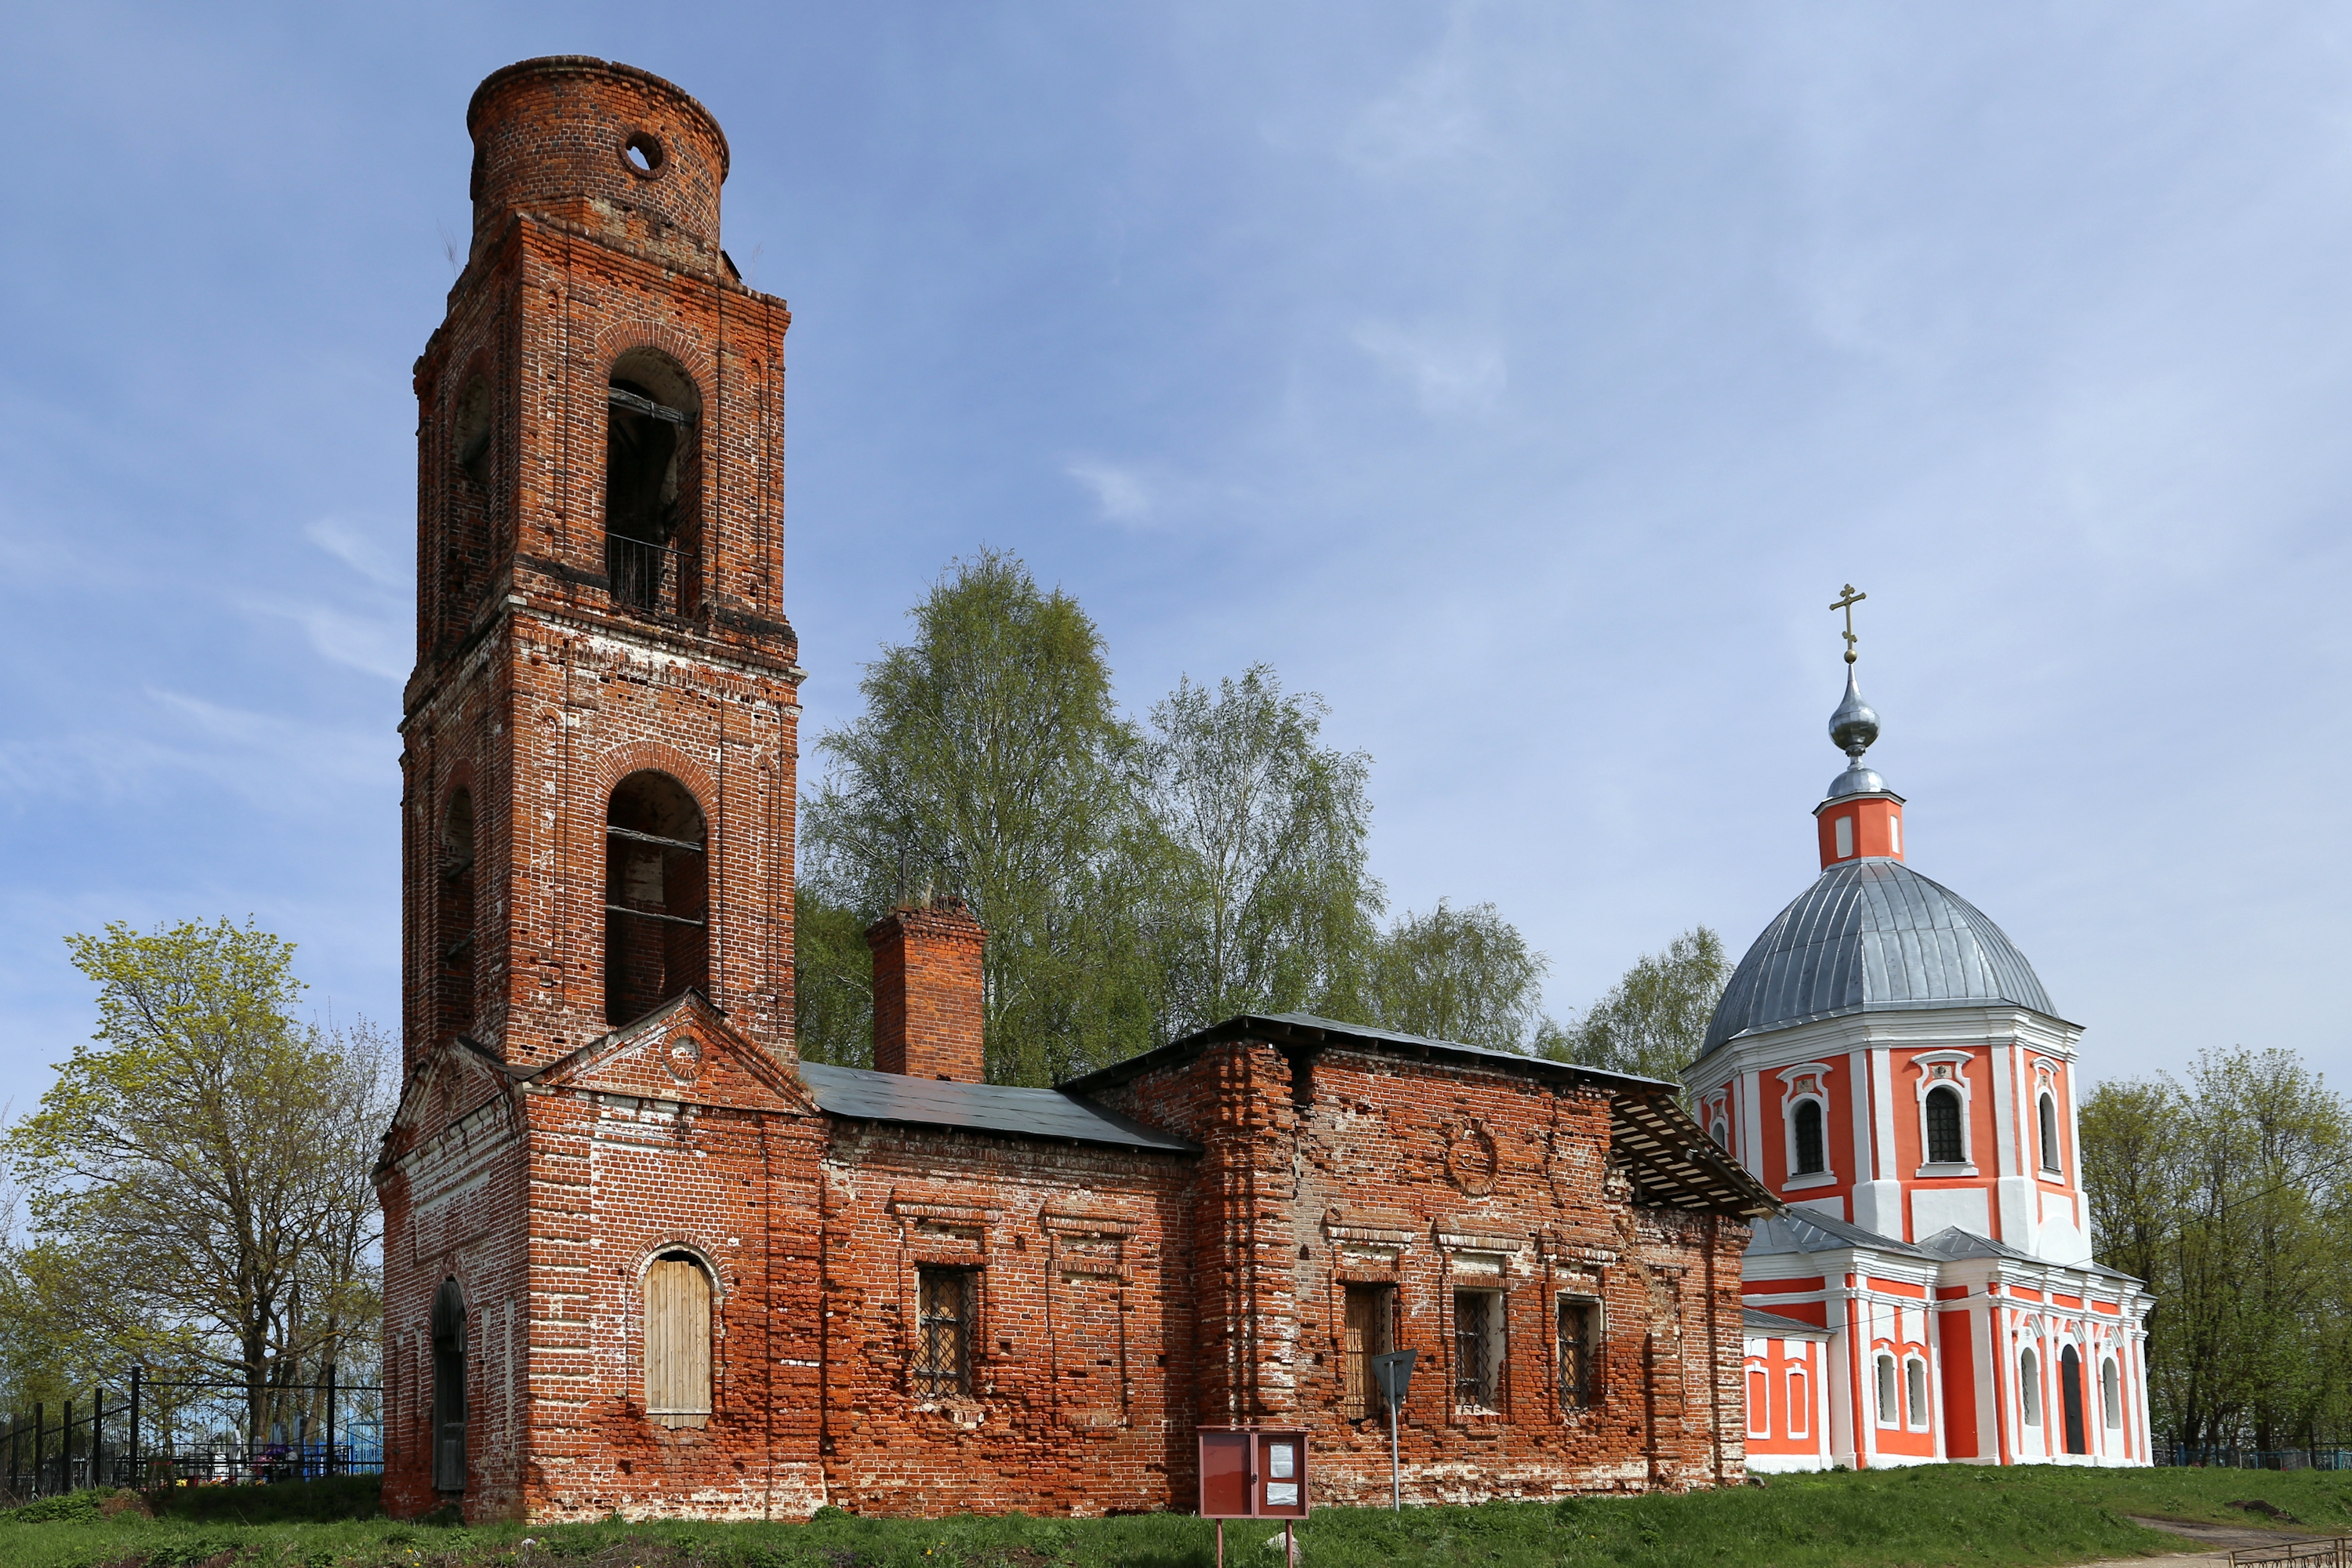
pixel 40 1441
pixel 329 1468
pixel 138 1476
pixel 97 1435
pixel 65 1446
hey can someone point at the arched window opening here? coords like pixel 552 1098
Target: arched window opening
pixel 2070 1397
pixel 2049 1133
pixel 2029 1388
pixel 2111 1394
pixel 1888 1415
pixel 465 566
pixel 1915 1394
pixel 657 921
pixel 1721 1133
pixel 448 1440
pixel 455 928
pixel 1944 1127
pixel 678 1340
pixel 652 483
pixel 1813 1158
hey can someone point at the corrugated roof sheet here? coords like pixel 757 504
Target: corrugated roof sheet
pixel 867 1096
pixel 1871 935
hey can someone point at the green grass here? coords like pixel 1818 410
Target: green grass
pixel 1925 1517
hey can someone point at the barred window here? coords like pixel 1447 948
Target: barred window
pixel 1944 1127
pixel 945 1302
pixel 1580 1351
pixel 1364 1335
pixel 1888 1415
pixel 1811 1158
pixel 1477 1347
pixel 1915 1393
pixel 678 1340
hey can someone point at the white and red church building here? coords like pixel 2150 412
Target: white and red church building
pixel 1885 1061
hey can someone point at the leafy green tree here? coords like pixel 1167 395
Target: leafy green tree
pixel 1653 1020
pixel 1462 974
pixel 990 761
pixel 197 1176
pixel 1253 848
pixel 833 983
pixel 2231 1196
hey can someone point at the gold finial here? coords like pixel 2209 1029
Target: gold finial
pixel 1847 600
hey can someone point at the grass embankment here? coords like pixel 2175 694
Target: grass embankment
pixel 1889 1519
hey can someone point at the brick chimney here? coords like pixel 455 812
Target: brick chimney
pixel 927 991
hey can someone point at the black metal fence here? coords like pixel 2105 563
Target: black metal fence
pixel 2257 1458
pixel 159 1432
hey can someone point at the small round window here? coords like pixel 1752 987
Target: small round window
pixel 643 153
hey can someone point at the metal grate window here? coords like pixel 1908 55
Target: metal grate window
pixel 1811 1159
pixel 1579 1346
pixel 1474 1314
pixel 1943 1126
pixel 943 1331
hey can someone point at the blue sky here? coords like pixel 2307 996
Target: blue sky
pixel 1525 379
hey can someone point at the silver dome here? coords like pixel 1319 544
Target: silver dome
pixel 1870 936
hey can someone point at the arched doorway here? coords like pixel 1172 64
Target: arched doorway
pixel 449 1388
pixel 2070 1389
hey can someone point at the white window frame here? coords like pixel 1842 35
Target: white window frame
pixel 2029 1386
pixel 1916 1413
pixel 1957 1079
pixel 1799 1383
pixel 1887 1377
pixel 1758 1374
pixel 2111 1393
pixel 2048 1135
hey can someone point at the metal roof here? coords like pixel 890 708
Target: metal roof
pixel 1811 1230
pixel 1774 1324
pixel 1868 936
pixel 1952 1242
pixel 863 1095
pixel 1672 1160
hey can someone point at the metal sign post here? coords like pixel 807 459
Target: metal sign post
pixel 1393 1370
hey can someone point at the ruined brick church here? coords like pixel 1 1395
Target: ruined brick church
pixel 639 1257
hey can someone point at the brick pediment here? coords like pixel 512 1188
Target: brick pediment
pixel 687 1051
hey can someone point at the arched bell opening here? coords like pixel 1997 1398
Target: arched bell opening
pixel 657 916
pixel 455 982
pixel 653 482
pixel 448 1442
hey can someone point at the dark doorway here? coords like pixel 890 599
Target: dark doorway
pixel 449 1388
pixel 657 924
pixel 2070 1390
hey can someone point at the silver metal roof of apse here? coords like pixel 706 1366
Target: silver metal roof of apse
pixel 1868 936
pixel 860 1094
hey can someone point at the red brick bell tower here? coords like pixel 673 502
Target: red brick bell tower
pixel 600 731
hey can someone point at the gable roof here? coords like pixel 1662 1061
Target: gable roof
pixel 1955 1244
pixel 1673 1163
pixel 863 1095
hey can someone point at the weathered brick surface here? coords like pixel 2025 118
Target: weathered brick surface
pixel 926 992
pixel 543 1158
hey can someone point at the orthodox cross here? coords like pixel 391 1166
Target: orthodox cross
pixel 1847 600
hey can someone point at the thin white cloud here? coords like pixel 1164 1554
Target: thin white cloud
pixel 363 554
pixel 1449 373
pixel 1120 494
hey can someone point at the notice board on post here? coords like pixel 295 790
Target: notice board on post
pixel 1253 1473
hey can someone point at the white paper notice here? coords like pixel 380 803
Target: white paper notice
pixel 1282 1494
pixel 1277 1456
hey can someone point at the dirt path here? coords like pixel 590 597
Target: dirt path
pixel 2214 1542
